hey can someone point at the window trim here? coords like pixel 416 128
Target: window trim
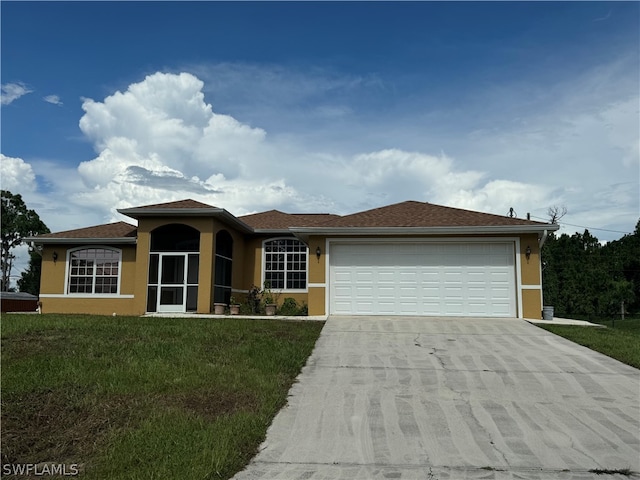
pixel 263 265
pixel 67 272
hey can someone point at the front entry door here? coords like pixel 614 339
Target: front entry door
pixel 177 288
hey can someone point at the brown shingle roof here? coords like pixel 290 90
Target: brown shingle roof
pixel 108 230
pixel 188 203
pixel 276 220
pixel 418 214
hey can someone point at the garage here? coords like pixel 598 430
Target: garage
pixel 423 278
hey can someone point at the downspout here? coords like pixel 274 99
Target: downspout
pixel 545 234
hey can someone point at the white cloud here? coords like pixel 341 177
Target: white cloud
pixel 53 99
pixel 160 141
pixel 12 91
pixel 16 175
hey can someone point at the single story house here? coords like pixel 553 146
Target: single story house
pixel 410 258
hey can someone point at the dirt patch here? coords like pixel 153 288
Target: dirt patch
pixel 62 425
pixel 33 343
pixel 212 404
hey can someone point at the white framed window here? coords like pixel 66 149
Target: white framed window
pixel 94 270
pixel 285 264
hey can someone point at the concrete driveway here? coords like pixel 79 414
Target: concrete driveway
pixel 449 398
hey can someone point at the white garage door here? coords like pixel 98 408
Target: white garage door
pixel 456 279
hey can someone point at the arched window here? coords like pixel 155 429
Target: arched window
pixel 94 270
pixel 285 264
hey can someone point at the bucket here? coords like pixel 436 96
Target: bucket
pixel 547 313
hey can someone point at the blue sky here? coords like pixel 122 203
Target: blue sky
pixel 323 107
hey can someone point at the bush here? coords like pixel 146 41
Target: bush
pixel 291 308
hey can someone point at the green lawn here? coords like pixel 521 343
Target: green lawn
pixel 144 398
pixel 621 342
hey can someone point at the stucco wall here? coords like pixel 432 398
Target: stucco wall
pixel 53 277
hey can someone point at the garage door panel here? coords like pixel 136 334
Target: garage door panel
pixel 475 279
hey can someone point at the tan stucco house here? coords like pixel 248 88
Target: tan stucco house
pixel 409 258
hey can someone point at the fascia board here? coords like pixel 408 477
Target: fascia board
pixel 83 241
pixel 466 230
pixel 186 212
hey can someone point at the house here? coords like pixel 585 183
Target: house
pixel 410 258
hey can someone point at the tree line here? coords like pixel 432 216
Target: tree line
pixel 582 277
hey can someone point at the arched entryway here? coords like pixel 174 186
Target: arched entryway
pixel 173 269
pixel 223 264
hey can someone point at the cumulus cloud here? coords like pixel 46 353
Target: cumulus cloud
pixel 12 91
pixel 17 175
pixel 53 99
pixel 160 141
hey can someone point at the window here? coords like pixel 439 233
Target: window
pixel 285 264
pixel 94 270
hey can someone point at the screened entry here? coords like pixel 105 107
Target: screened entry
pixel 174 260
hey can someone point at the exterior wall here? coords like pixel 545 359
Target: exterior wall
pixel 318 276
pixel 54 299
pixel 247 271
pixel 253 271
pixel 531 304
pixel 530 277
pixel 134 271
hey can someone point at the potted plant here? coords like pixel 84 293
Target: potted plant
pixel 270 304
pixel 234 307
pixel 218 308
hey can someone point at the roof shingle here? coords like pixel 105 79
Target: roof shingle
pixel 419 214
pixel 188 203
pixel 276 220
pixel 108 230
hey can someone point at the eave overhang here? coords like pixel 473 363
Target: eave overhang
pixel 303 233
pixel 81 240
pixel 219 213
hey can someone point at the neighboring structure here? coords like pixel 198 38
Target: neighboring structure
pixel 18 302
pixel 410 258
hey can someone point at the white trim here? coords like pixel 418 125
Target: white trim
pixel 531 287
pixel 280 291
pixel 317 285
pixel 305 232
pixel 95 296
pixel 515 241
pixel 85 247
pixel 518 265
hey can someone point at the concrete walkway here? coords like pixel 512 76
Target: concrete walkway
pixel 436 398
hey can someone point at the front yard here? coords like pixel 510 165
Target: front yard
pixel 620 340
pixel 141 398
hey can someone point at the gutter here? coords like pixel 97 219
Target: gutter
pixel 304 232
pixel 83 241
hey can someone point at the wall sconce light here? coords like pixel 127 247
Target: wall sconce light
pixel 55 257
pixel 527 252
pixel 318 253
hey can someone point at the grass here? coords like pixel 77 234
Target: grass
pixel 145 398
pixel 621 342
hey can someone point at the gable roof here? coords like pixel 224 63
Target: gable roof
pixel 418 218
pixel 119 232
pixel 275 220
pixel 185 208
pixel 410 217
pixel 419 214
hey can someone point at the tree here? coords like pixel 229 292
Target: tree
pixel 30 280
pixel 556 213
pixel 17 222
